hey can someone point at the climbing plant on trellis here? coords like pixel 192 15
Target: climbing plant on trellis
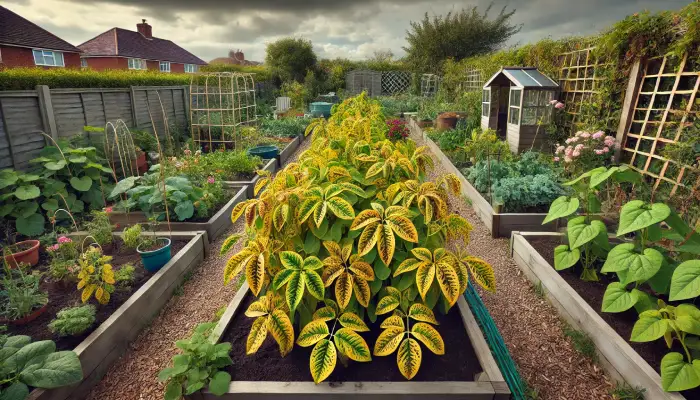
pixel 221 105
pixel 429 84
pixel 395 82
pixel 578 80
pixel 667 112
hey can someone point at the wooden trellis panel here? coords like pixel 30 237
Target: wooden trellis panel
pixel 667 104
pixel 357 81
pixel 395 82
pixel 473 81
pixel 578 80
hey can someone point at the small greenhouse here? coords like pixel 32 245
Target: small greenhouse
pixel 516 104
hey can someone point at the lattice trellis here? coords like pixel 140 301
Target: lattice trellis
pixel 221 105
pixel 395 82
pixel 473 81
pixel 429 85
pixel 364 80
pixel 667 105
pixel 578 81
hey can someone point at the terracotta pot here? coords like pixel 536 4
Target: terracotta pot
pixel 446 121
pixel 29 318
pixel 426 123
pixel 29 256
pixel 141 163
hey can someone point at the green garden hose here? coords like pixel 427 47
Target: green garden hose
pixel 496 344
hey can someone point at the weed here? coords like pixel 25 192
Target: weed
pixel 624 391
pixel 219 313
pixel 530 392
pixel 582 342
pixel 179 290
pixel 539 290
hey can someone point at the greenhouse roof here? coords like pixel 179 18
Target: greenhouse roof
pixel 525 77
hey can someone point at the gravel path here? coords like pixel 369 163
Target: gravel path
pixel 135 375
pixel 530 326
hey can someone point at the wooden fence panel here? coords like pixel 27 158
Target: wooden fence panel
pixel 21 127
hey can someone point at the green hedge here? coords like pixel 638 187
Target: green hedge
pixel 29 78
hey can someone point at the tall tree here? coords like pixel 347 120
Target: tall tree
pixel 456 35
pixel 290 58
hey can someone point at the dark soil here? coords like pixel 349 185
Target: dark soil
pixel 228 195
pixel 65 294
pixel 458 364
pixel 622 323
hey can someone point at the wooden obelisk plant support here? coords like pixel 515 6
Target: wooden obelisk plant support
pixel 161 171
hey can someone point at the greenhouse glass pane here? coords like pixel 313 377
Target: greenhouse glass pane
pixel 529 116
pixel 515 97
pixel 514 115
pixel 531 97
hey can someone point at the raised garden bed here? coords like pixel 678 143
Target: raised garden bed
pixel 215 226
pixel 269 165
pixel 288 150
pixel 622 360
pixel 466 371
pixel 499 224
pixel 121 320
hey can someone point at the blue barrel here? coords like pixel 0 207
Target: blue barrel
pixel 321 109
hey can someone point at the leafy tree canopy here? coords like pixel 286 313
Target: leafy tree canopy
pixel 290 58
pixel 457 35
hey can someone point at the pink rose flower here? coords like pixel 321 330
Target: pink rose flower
pixel 556 159
pixel 599 152
pixel 579 147
pixel 598 135
pixel 559 106
pixel 606 149
pixel 585 135
pixel 574 139
pixel 568 151
pixel 64 239
pixel 559 150
pixel 576 153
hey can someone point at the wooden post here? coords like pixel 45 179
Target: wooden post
pixel 46 108
pixel 628 105
pixel 3 123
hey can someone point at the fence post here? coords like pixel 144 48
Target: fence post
pixel 186 99
pixel 132 97
pixel 627 114
pixel 46 108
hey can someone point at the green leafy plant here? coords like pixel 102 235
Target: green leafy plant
pixel 284 127
pixel 125 276
pixel 73 321
pixel 100 227
pixel 357 211
pixel 135 238
pixel 63 255
pixel 199 365
pixel 20 294
pixel 25 364
pixel 132 236
pixel 221 165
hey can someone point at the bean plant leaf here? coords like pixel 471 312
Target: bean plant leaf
pixel 219 383
pixel 648 329
pixel 580 233
pixel 27 192
pixel 585 175
pixel 677 375
pixel 600 177
pixel 636 215
pixel 618 299
pixel 565 258
pixel 82 184
pixel 323 360
pixel 561 207
pixel 640 266
pixel 685 282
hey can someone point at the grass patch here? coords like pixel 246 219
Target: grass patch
pixel 219 313
pixel 530 392
pixel 582 342
pixel 539 290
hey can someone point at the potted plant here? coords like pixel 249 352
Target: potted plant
pixel 24 252
pixel 21 299
pixel 446 120
pixel 154 251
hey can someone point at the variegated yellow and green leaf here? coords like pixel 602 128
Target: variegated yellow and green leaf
pixel 326 313
pixel 343 289
pixel 421 312
pixel 388 341
pixel 352 345
pixel 352 321
pixel 312 333
pixel 322 361
pixel 393 321
pixel 279 325
pixel 387 304
pixel 409 357
pixel 429 336
pixel 257 335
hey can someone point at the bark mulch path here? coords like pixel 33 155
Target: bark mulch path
pixel 530 326
pixel 135 374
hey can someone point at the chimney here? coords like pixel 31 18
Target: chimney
pixel 145 29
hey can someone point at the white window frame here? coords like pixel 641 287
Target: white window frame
pixel 83 62
pixel 517 106
pixel 486 102
pixel 136 63
pixel 165 64
pixel 191 68
pixel 54 55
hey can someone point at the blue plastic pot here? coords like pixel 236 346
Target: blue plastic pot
pixel 320 109
pixel 264 152
pixel 154 260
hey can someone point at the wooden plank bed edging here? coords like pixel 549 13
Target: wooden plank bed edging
pixel 270 165
pixel 616 355
pixel 486 385
pixel 288 150
pixel 215 226
pixel 499 224
pixel 110 340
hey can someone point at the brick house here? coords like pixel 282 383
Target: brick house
pixel 124 49
pixel 234 58
pixel 25 44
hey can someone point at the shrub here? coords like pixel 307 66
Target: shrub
pixel 73 321
pixel 585 151
pixel 132 236
pixel 125 275
pixel 284 127
pixel 100 228
pixel 222 165
pixel 397 130
pixel 482 145
pixel 29 78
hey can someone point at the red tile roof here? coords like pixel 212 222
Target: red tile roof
pixel 125 43
pixel 15 30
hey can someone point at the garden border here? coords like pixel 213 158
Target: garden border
pixel 288 150
pixel 488 384
pixel 499 224
pixel 215 226
pixel 617 357
pixel 110 340
pixel 271 165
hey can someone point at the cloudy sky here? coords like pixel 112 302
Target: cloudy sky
pixel 338 28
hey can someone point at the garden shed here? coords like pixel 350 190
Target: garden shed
pixel 516 104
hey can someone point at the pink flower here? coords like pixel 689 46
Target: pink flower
pixel 599 152
pixel 559 150
pixel 64 239
pixel 108 210
pixel 187 152
pixel 598 135
pixel 568 151
pixel 606 149
pixel 577 134
pixel 579 147
pixel 553 102
pixel 211 179
pixel 576 153
pixel 567 159
pixel 574 139
pixel 559 105
pixel 556 159
pixel 585 135
pixel 52 248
